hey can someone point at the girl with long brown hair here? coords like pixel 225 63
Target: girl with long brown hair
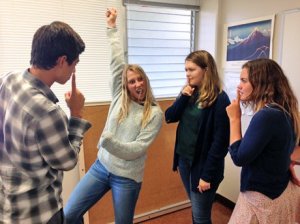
pixel 202 134
pixel 267 194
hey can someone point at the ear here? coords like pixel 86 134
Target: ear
pixel 61 60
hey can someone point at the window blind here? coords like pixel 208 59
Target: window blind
pixel 159 39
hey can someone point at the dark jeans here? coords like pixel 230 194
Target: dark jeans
pixel 57 218
pixel 201 202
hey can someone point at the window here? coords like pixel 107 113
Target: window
pixel 20 19
pixel 159 39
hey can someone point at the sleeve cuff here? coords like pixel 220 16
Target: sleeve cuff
pixel 78 123
pixel 234 145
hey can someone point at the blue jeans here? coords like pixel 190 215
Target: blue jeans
pixel 201 202
pixel 93 186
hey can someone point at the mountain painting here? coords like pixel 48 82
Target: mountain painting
pixel 249 41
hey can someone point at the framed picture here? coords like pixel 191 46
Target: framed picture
pixel 248 40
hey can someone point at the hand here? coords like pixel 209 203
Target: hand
pixel 106 138
pixel 111 17
pixel 75 99
pixel 294 177
pixel 188 90
pixel 234 110
pixel 296 155
pixel 203 186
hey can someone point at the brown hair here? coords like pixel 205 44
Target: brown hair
pixel 270 85
pixel 52 41
pixel 211 86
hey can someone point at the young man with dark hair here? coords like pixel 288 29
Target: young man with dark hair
pixel 37 140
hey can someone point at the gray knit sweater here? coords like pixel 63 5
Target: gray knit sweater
pixel 123 146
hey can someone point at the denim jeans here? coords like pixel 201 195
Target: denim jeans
pixel 93 186
pixel 201 202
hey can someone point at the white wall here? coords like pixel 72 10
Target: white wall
pixel 234 11
pixel 208 24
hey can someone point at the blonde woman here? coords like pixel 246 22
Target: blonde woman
pixel 134 119
pixel 267 193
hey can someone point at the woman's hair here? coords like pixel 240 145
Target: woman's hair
pixel 270 85
pixel 210 86
pixel 149 98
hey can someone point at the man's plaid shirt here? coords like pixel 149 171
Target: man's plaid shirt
pixel 37 143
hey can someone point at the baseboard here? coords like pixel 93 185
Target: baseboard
pixel 224 201
pixel 176 207
pixel 161 211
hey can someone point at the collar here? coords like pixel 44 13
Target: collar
pixel 40 86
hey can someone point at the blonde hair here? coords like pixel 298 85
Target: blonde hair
pixel 211 85
pixel 271 86
pixel 126 100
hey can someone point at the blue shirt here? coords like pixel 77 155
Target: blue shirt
pixel 264 152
